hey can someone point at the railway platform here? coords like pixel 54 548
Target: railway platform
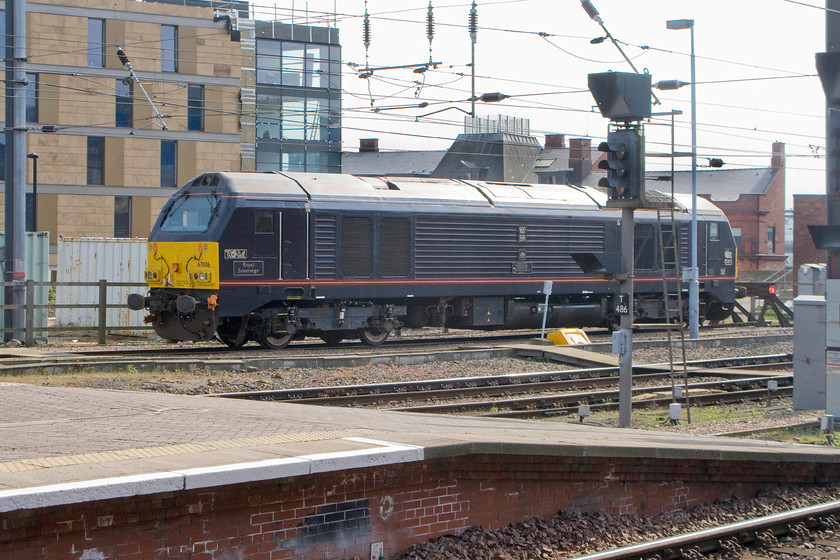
pixel 125 473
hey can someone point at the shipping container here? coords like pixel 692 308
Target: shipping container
pixel 36 264
pixel 91 259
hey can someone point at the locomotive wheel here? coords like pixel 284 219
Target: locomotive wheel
pixel 372 336
pixel 332 338
pixel 232 333
pixel 275 342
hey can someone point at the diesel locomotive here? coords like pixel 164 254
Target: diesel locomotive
pixel 274 257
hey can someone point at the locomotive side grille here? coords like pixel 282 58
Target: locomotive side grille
pixel 468 248
pixel 357 247
pixel 464 248
pixel 395 247
pixel 549 246
pixel 326 246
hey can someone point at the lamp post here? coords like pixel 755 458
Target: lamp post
pixel 693 281
pixel 34 157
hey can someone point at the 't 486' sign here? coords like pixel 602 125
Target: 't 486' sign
pixel 623 304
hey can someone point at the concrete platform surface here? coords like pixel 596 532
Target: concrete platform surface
pixel 66 445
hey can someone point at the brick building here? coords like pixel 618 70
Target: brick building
pixel 754 202
pixel 808 209
pixel 106 164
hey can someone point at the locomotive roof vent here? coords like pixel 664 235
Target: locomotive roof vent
pixel 381 183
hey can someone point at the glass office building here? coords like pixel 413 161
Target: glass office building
pixel 298 98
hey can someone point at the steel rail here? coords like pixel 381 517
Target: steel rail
pixel 709 540
pixel 531 381
pixel 566 400
pixel 708 399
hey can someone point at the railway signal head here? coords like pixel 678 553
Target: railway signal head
pixel 624 164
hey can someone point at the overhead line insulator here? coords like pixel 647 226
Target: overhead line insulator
pixel 366 30
pixel 430 22
pixel 591 10
pixel 473 22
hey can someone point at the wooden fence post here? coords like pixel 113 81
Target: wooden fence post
pixel 103 309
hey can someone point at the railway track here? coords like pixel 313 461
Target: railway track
pixel 793 533
pixel 545 393
pixel 219 358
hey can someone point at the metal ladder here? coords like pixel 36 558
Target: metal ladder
pixel 669 259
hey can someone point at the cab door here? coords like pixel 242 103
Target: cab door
pixel 267 227
pixel 714 256
pixel 294 243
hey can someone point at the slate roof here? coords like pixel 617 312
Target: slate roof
pixel 721 185
pixel 408 163
pixel 501 156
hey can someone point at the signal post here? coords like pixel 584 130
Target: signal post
pixel 625 99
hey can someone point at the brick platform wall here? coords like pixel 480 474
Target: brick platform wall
pixel 338 515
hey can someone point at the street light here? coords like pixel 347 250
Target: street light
pixel 34 157
pixel 693 281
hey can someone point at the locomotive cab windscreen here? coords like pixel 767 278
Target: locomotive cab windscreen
pixel 191 213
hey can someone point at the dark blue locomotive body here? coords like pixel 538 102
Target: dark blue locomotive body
pixel 290 255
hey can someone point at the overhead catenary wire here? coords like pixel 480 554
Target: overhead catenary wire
pixel 561 108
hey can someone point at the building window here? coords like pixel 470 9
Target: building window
pixel 32 98
pixel 268 117
pixel 736 234
pixel 268 62
pixel 195 107
pixel 96 43
pixel 313 119
pixel 168 163
pixel 316 66
pixel 294 55
pixel 122 216
pixel 293 161
pixel 303 118
pixel 95 160
pixel 169 48
pixel 124 115
pixel 294 64
pixel 771 240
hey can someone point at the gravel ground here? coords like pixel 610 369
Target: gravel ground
pixel 564 535
pixel 205 382
pixel 572 534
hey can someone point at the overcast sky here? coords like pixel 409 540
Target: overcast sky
pixel 756 80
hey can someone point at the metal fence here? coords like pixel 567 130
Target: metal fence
pixel 102 305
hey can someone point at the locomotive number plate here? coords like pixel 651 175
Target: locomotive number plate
pixel 521 268
pixel 236 253
pixel 248 268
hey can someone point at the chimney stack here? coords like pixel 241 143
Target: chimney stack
pixel 555 140
pixel 580 159
pixel 777 159
pixel 368 145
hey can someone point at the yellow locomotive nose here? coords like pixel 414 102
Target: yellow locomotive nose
pixel 185 265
